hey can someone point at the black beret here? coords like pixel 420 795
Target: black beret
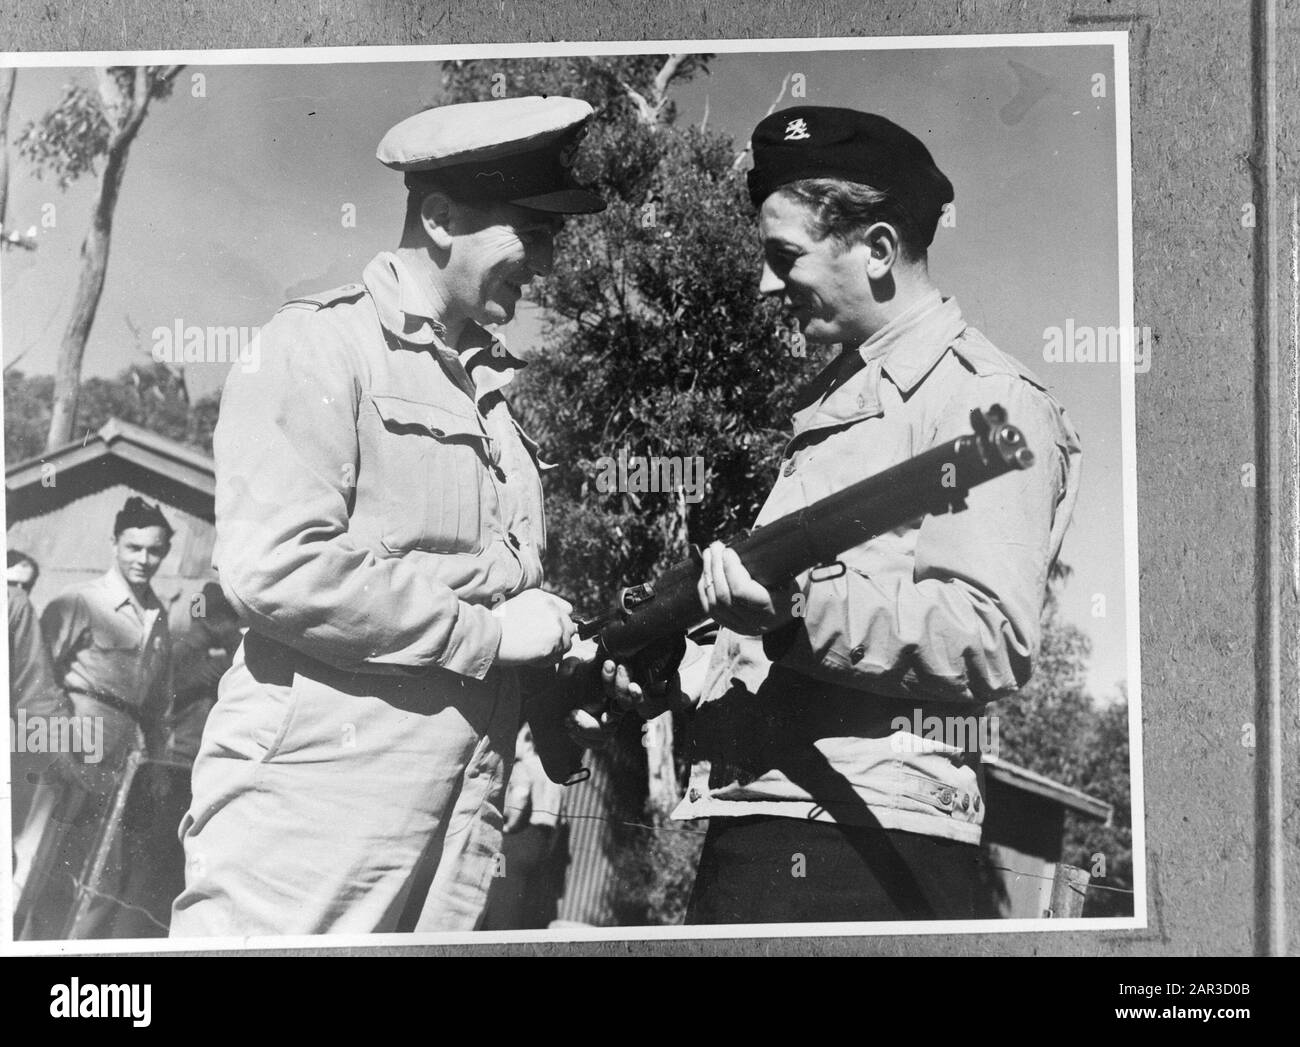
pixel 815 141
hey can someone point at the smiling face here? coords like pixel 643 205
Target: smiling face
pixel 138 552
pixel 496 252
pixel 824 284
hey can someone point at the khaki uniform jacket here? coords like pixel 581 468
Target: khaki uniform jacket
pixel 373 501
pixel 827 718
pixel 112 655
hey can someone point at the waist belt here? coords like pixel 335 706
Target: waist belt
pixel 113 702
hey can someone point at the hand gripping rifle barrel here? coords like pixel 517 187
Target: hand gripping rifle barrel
pixel 934 482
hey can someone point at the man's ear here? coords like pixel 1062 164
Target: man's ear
pixel 435 216
pixel 884 250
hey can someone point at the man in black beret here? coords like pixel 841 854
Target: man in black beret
pixel 839 729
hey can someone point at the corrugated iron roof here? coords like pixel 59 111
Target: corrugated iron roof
pixel 132 443
pixel 157 466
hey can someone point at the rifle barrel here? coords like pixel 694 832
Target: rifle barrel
pixel 934 482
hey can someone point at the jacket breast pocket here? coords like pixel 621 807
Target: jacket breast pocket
pixel 431 463
pixel 115 637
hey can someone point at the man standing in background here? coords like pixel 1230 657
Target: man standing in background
pixel 34 693
pixel 111 652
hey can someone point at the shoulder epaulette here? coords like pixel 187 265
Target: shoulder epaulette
pixel 346 293
pixel 983 357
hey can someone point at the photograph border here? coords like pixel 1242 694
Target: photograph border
pixel 1119 43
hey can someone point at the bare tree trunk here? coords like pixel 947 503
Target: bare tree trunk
pixel 126 112
pixel 7 77
pixel 94 266
pixel 650 110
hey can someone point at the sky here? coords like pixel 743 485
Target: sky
pixel 237 189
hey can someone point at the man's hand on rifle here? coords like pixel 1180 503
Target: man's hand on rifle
pixel 595 721
pixel 733 599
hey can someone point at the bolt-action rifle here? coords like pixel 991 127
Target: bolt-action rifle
pixel 645 626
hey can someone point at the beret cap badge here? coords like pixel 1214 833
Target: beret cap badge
pixel 806 142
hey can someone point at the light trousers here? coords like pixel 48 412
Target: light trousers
pixel 329 802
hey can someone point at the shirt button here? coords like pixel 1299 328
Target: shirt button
pixel 694 795
pixel 789 468
pixel 512 539
pixel 965 802
pixel 862 401
pixel 857 654
pixel 977 801
pixel 945 797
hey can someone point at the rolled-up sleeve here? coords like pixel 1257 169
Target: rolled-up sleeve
pixel 961 619
pixel 286 452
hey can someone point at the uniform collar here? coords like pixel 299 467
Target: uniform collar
pixel 490 365
pixel 404 307
pixel 910 345
pixel 407 312
pixel 905 350
pixel 121 594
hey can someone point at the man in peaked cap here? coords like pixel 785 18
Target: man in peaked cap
pixel 839 732
pixel 380 532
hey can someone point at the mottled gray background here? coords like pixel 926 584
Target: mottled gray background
pixel 1198 408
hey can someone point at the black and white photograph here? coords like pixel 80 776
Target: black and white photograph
pixel 557 492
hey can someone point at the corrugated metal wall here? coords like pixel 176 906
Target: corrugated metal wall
pixel 73 544
pixel 589 882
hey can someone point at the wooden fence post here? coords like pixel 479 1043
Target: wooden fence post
pixel 1069 890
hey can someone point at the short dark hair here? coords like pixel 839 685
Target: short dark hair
pixel 417 190
pixel 139 513
pixel 482 205
pixel 844 211
pixel 14 558
pixel 414 201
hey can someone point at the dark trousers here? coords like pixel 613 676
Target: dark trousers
pixel 527 881
pixel 762 869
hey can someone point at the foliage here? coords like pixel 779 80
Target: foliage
pixel 148 396
pixel 1104 772
pixel 657 873
pixel 71 137
pixel 1054 727
pixel 660 344
pixel 27 414
pixel 82 126
pixel 604 82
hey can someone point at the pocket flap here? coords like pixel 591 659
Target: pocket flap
pixel 437 420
